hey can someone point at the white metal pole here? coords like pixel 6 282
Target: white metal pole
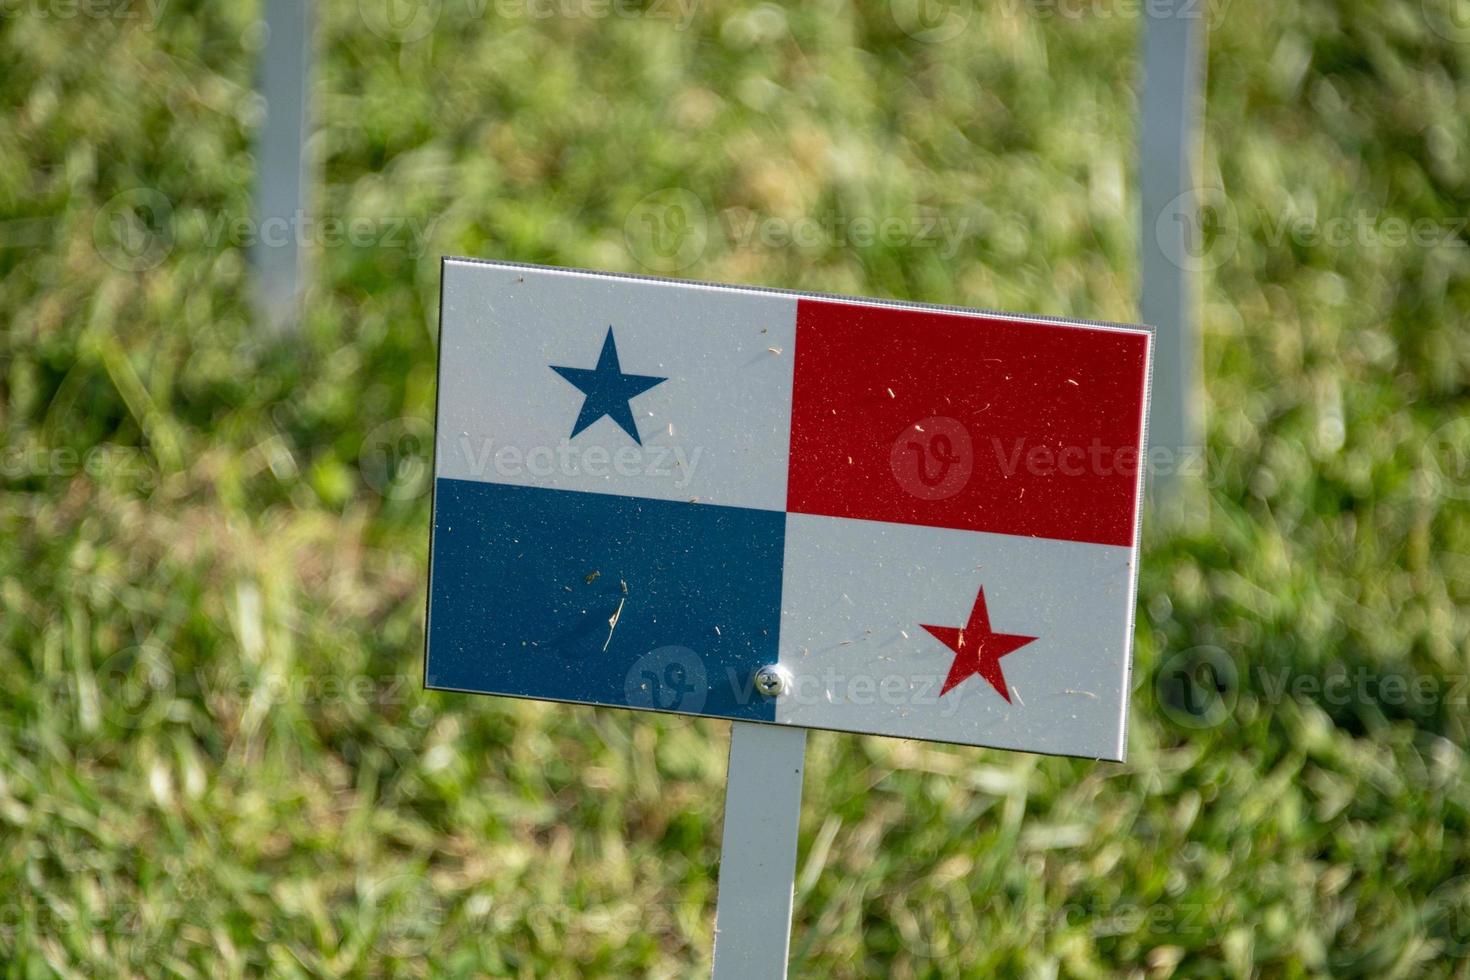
pixel 282 170
pixel 758 851
pixel 1171 234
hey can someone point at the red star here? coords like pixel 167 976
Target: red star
pixel 976 649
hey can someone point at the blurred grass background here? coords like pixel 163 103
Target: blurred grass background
pixel 215 756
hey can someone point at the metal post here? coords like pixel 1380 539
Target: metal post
pixel 1171 234
pixel 282 175
pixel 758 852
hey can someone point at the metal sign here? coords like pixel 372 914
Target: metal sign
pixel 774 507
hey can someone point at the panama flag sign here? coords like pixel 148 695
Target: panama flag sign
pixel 773 507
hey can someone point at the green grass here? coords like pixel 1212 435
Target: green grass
pixel 215 756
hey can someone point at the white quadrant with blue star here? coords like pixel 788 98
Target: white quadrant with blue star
pixel 572 381
pixel 607 390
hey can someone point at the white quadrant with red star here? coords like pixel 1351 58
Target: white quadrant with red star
pixel 860 594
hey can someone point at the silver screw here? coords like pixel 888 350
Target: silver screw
pixel 770 680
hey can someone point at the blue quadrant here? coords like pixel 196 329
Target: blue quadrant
pixel 603 599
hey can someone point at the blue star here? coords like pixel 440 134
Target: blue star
pixel 608 390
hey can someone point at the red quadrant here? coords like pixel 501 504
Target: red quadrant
pixel 980 423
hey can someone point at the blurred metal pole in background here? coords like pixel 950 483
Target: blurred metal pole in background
pixel 1173 83
pixel 282 167
pixel 758 851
